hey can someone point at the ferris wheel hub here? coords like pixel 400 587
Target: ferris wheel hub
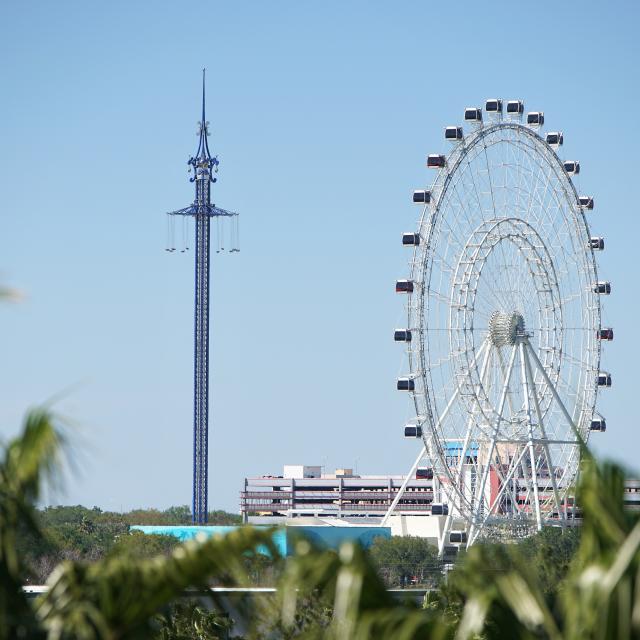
pixel 504 328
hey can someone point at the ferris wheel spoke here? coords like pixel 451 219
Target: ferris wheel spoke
pixel 523 267
pixel 444 264
pixel 466 173
pixel 486 159
pixel 577 361
pixel 439 296
pixel 547 179
pixel 464 205
pixel 510 276
pixel 450 222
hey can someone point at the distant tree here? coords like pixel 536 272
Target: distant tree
pixel 220 517
pixel 68 533
pixel 136 544
pixel 405 560
pixel 79 533
pixel 148 517
pixel 178 515
pixel 551 553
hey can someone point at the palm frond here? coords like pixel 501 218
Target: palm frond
pixel 118 597
pixel 29 459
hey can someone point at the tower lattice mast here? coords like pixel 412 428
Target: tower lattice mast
pixel 203 165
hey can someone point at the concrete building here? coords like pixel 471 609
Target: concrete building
pixel 304 492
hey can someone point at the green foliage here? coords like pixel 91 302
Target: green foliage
pixel 190 621
pixel 356 602
pixel 27 461
pixel 263 571
pixel 79 533
pixel 406 561
pixel 177 516
pixel 141 545
pixel 550 553
pixel 503 595
pixel 118 597
pixel 171 516
pixel 224 518
pixel 558 585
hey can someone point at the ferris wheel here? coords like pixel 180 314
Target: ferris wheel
pixel 503 335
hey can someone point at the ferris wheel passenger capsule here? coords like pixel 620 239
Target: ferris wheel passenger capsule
pixel 406 384
pixel 410 239
pixel 404 286
pixel 605 334
pixel 598 425
pixel 572 167
pixel 515 107
pixel 436 161
pixel 586 202
pixel 473 114
pixel 412 431
pixel 458 536
pixel 439 509
pixel 402 335
pixel 422 197
pixel 555 138
pixel 453 133
pixel 597 244
pixel 493 105
pixel 603 288
pixel 604 379
pixel 424 473
pixel 535 118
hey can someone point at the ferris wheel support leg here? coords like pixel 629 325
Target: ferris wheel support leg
pixel 443 537
pixel 465 446
pixel 556 397
pixel 532 458
pixel 467 438
pixel 485 472
pixel 552 470
pixel 506 480
pixel 514 497
pixel 423 451
pixel 403 487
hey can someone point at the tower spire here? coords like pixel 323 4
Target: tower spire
pixel 203 161
pixel 204 70
pixel 203 165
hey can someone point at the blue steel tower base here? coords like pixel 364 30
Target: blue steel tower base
pixel 201 372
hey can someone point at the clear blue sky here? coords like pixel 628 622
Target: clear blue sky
pixel 322 114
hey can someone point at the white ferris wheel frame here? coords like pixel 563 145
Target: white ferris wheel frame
pixel 531 431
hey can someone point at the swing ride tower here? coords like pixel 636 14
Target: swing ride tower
pixel 202 166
